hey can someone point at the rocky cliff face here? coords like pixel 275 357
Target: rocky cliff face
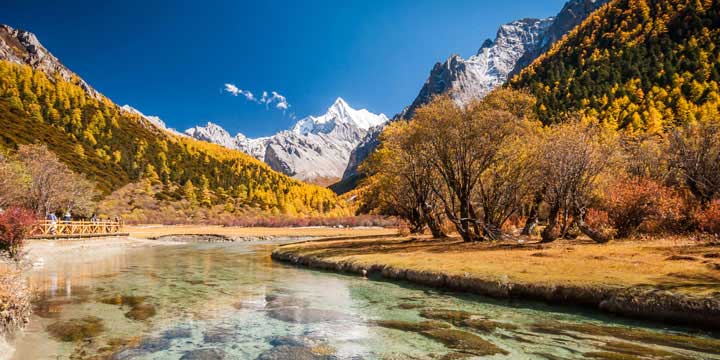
pixel 472 78
pixel 23 47
pixel 516 45
pixel 316 149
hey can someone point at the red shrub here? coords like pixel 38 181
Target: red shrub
pixel 630 202
pixel 15 224
pixel 600 221
pixel 709 218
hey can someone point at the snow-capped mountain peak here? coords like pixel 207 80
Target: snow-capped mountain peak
pixel 213 133
pixel 316 148
pixel 339 113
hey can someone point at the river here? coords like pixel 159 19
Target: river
pixel 229 300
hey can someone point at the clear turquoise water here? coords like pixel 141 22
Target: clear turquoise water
pixel 232 301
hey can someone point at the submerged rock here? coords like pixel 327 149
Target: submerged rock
pixel 76 329
pixel 141 312
pixel 456 356
pixel 127 300
pixel 408 306
pixel 624 350
pixel 584 330
pixel 286 340
pixel 454 316
pixel 285 352
pixel 486 325
pixel 203 354
pixel 412 326
pixel 305 315
pixel 217 336
pixel 139 309
pixel 465 341
pixel 177 333
pixel 154 344
pixel 276 301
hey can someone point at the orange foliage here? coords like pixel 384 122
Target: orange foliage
pixel 631 202
pixel 709 218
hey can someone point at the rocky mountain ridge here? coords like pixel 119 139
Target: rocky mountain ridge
pixel 315 149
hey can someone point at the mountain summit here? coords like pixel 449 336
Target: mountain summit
pixel 316 148
pixel 339 112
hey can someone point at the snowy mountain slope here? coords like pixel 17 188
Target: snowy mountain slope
pixel 316 148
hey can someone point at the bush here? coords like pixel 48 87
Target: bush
pixel 630 202
pixel 15 224
pixel 709 219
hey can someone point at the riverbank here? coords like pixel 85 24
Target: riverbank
pixel 251 233
pixel 674 280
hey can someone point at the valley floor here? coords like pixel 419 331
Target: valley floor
pixel 671 279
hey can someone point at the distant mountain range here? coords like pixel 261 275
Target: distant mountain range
pixel 315 149
pixel 515 46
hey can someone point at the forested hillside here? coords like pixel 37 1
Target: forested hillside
pixel 113 148
pixel 634 64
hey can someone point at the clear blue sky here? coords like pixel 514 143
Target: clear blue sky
pixel 172 58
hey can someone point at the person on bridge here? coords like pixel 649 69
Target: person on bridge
pixel 53 222
pixel 67 217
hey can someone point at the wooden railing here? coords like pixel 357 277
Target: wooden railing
pixel 50 229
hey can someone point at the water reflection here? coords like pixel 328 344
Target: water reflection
pixel 207 301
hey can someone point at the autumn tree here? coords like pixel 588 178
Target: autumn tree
pixel 465 148
pixel 571 158
pixel 14 182
pixel 695 154
pixel 403 180
pixel 52 186
pixel 190 193
pixel 511 180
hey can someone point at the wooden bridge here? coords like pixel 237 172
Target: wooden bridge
pixel 47 229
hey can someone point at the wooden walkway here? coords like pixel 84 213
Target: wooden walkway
pixel 47 229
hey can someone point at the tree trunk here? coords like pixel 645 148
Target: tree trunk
pixel 433 222
pixel 593 234
pixel 549 234
pixel 532 219
pixel 435 229
pixel 492 232
pixel 477 234
pixel 417 225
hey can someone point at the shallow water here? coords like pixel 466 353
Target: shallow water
pixel 207 301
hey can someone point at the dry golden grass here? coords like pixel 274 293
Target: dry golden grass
pixel 151 231
pixel 680 264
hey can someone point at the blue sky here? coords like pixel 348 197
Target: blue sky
pixel 173 58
